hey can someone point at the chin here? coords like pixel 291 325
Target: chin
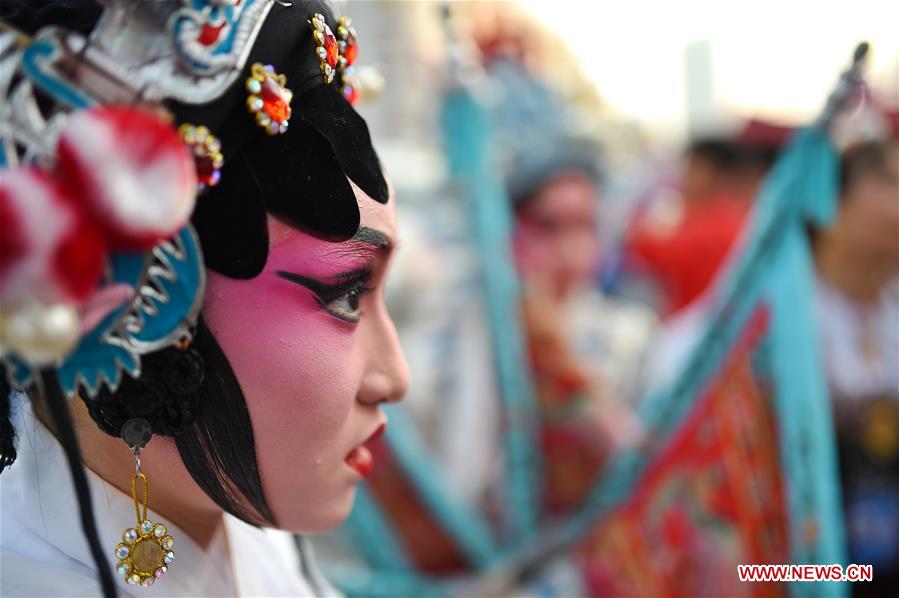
pixel 325 516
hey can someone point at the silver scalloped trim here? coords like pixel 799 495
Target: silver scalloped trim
pixel 151 294
pixel 27 136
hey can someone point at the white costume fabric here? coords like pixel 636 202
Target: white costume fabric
pixel 861 343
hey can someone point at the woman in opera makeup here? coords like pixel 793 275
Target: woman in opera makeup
pixel 260 425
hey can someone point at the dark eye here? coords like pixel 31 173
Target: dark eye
pixel 341 299
pixel 346 307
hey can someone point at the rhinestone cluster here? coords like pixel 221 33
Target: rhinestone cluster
pixel 326 47
pixel 268 98
pixel 207 152
pixel 349 49
pixel 144 554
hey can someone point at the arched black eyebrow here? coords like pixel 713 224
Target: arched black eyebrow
pixel 367 243
pixel 374 237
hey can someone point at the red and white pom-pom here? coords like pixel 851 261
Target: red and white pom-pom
pixel 48 250
pixel 131 172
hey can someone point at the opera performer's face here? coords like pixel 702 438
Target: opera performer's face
pixel 315 353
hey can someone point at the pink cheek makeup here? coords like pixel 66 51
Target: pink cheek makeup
pixel 282 343
pixel 281 310
pixel 277 337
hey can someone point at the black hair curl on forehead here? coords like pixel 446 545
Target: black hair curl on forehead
pixel 299 176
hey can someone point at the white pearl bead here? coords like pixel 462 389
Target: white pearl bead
pixel 38 333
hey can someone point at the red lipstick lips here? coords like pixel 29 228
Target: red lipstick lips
pixel 360 458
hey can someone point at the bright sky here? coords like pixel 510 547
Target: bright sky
pixel 777 58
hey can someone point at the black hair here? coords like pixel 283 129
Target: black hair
pixel 856 162
pixel 30 15
pixel 734 158
pixel 759 156
pixel 861 160
pixel 7 430
pixel 721 153
pixel 192 394
pixel 531 170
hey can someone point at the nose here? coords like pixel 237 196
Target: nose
pixel 386 375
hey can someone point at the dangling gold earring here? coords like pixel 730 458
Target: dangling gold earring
pixel 146 550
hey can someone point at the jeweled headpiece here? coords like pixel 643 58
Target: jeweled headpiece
pixel 179 65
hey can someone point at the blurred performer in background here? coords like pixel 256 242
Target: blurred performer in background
pixel 858 309
pixel 586 350
pixel 682 246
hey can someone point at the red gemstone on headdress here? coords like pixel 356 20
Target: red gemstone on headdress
pixel 210 34
pixel 350 93
pixel 275 100
pixel 330 47
pixel 206 172
pixel 351 51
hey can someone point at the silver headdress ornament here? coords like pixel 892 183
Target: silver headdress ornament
pixel 204 48
pixel 147 51
pixel 70 102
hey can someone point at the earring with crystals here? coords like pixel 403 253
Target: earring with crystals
pixel 146 550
